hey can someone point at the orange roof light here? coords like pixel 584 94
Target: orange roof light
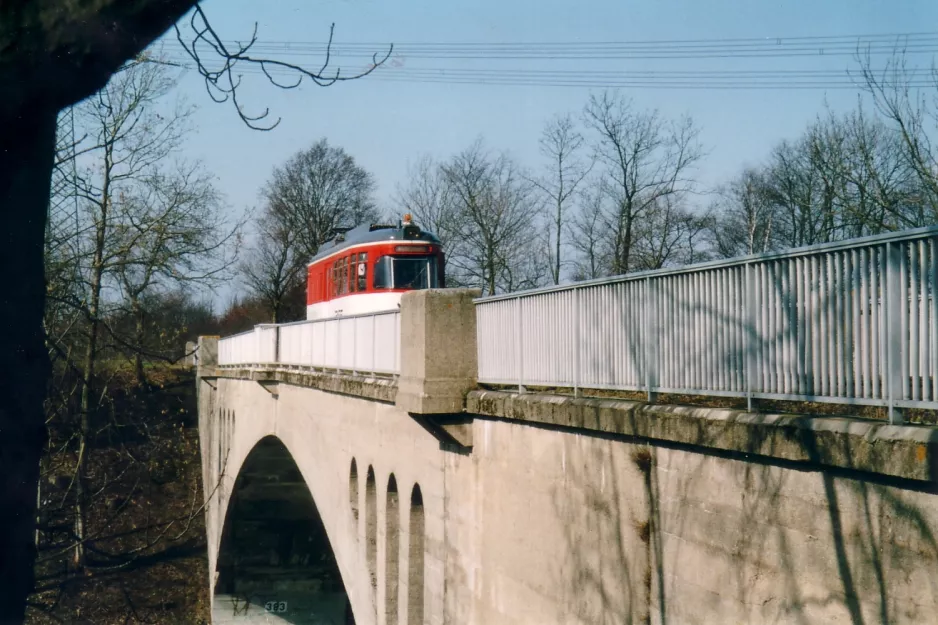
pixel 407 218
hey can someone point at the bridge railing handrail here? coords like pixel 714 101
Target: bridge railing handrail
pixel 850 322
pixel 903 235
pixel 342 343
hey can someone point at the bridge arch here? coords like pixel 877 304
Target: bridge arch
pixel 392 528
pixel 353 491
pixel 278 558
pixel 415 560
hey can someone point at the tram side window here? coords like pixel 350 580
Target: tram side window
pixel 382 279
pixel 362 271
pixel 344 276
pixel 341 277
pixel 353 271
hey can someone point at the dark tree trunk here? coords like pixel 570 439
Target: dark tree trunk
pixel 27 149
pixel 54 53
pixel 139 373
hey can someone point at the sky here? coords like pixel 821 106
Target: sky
pixel 385 123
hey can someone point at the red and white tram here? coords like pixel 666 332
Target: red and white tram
pixel 367 268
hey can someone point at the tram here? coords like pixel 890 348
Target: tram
pixel 367 269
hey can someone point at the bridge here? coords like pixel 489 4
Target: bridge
pixel 544 457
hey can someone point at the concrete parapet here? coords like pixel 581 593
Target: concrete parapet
pixel 206 357
pixel 190 359
pixel 438 350
pixel 378 389
pixel 908 452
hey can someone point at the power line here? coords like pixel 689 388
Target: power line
pixel 911 43
pixel 681 79
pixel 402 69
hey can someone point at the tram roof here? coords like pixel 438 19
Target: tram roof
pixel 370 233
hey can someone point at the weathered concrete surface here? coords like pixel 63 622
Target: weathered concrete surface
pixel 378 389
pixel 909 452
pixel 597 511
pixel 323 433
pixel 206 358
pixel 555 526
pixel 438 350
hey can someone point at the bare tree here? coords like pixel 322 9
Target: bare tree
pixel 54 54
pixel 744 218
pixel 273 267
pixel 589 243
pixel 129 138
pixel 146 226
pixel 645 158
pixel 496 214
pixel 318 190
pixel 428 196
pixel 803 195
pixel 669 234
pixel 560 144
pixel 876 187
pixel 909 110
pixel 176 238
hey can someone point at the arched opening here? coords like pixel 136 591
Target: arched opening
pixel 371 527
pixel 392 516
pixel 353 491
pixel 275 560
pixel 415 559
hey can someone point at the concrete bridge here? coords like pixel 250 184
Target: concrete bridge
pixel 336 494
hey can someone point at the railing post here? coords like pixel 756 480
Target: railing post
pixel 277 344
pixel 354 345
pixel 577 338
pixel 396 341
pixel 748 322
pixel 895 290
pixel 338 345
pixel 519 343
pixel 650 338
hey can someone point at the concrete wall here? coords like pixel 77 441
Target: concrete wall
pixel 549 525
pixel 562 527
pixel 324 432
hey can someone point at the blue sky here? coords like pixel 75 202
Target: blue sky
pixel 385 124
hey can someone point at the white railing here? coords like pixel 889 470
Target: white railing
pixel 367 343
pixel 852 322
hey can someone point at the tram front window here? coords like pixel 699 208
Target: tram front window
pixel 406 272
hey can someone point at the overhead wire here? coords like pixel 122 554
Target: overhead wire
pixel 677 49
pixel 400 68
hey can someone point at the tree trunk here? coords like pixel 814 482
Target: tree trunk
pixel 559 223
pixel 91 357
pixel 27 149
pixel 138 338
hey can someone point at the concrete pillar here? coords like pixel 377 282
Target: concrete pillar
pixel 206 357
pixel 438 350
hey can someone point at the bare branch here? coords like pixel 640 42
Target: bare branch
pixel 222 83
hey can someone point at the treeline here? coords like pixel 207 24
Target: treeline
pixel 617 191
pixel 136 235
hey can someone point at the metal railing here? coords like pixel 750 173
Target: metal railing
pixel 366 343
pixel 851 322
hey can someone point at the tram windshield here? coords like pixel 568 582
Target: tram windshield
pixel 406 272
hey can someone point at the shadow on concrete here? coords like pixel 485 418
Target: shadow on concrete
pixel 275 562
pixel 660 532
